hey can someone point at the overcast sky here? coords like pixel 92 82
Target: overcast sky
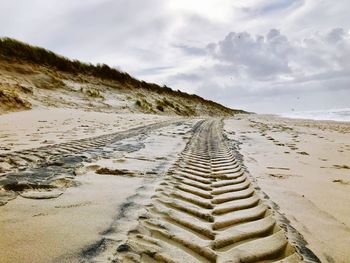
pixel 266 56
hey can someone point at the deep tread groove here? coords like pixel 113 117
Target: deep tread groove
pixel 206 210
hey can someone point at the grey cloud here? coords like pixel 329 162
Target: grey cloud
pixel 190 50
pixel 336 35
pixel 277 5
pixel 324 52
pixel 268 7
pixel 153 71
pixel 272 67
pixel 257 56
pixel 275 56
pixel 191 77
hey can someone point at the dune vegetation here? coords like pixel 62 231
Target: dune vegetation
pixel 12 50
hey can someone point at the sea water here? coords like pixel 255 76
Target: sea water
pixel 331 114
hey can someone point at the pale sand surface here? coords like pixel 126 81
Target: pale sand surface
pixel 40 127
pixel 301 165
pixel 42 230
pixel 304 168
pixel 61 229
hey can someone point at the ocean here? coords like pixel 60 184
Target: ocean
pixel 332 115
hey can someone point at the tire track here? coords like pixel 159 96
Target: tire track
pixel 46 155
pixel 40 168
pixel 206 210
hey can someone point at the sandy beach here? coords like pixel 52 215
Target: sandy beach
pixel 39 226
pixel 39 127
pixel 301 166
pixel 304 167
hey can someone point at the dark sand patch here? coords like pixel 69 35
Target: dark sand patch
pixel 280 176
pixel 341 181
pixel 108 171
pixel 303 153
pixel 278 168
pixel 337 166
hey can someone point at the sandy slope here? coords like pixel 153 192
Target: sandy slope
pixel 26 86
pixel 304 166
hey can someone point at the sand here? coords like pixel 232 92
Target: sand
pixel 96 204
pixel 207 210
pixel 42 230
pixel 45 126
pixel 70 226
pixel 303 166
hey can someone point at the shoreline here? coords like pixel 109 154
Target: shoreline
pixel 281 116
pixel 337 115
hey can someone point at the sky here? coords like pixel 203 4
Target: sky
pixel 266 56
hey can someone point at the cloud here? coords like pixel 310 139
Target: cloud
pixel 265 67
pixel 154 70
pixel 186 77
pixel 127 33
pixel 266 8
pixel 190 50
pixel 258 57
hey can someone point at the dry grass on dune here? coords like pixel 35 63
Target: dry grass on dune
pixel 14 54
